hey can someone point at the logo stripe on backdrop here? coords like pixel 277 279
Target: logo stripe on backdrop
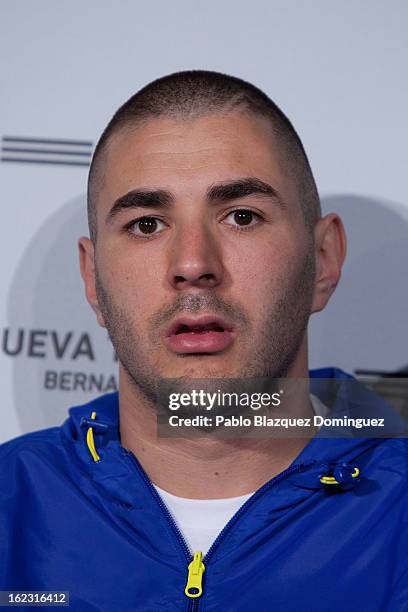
pixel 54 151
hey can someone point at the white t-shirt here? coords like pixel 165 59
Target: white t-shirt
pixel 201 520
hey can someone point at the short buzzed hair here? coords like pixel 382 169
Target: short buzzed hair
pixel 194 93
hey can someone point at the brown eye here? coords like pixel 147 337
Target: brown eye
pixel 146 226
pixel 242 218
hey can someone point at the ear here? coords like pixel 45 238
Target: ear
pixel 87 267
pixel 330 251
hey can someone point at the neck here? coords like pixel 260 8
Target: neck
pixel 207 467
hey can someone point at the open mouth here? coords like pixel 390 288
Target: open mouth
pixel 199 329
pixel 206 334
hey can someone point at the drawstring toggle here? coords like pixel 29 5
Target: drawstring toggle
pixel 342 475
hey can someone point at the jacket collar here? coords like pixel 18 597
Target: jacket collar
pixel 324 452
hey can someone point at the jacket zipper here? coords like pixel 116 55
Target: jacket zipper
pixel 190 558
pixel 193 604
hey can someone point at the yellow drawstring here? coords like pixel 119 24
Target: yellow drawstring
pixel 90 441
pixel 331 479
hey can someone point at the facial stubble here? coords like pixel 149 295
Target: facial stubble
pixel 269 356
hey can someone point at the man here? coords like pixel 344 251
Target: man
pixel 207 254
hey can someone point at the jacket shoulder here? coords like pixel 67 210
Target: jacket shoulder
pixel 42 435
pixel 29 451
pixel 394 448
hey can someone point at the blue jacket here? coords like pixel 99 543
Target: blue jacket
pixel 100 530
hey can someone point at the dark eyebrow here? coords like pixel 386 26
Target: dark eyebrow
pixel 220 192
pixel 141 198
pixel 240 188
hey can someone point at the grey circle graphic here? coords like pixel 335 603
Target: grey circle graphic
pixel 365 325
pixel 64 357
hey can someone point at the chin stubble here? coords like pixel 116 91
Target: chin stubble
pixel 271 356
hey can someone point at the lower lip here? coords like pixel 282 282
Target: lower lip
pixel 200 342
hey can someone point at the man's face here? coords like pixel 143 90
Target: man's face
pixel 217 278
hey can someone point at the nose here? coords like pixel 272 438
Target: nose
pixel 195 258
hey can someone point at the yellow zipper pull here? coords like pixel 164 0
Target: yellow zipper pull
pixel 196 569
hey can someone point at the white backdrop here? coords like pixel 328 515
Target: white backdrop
pixel 338 70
